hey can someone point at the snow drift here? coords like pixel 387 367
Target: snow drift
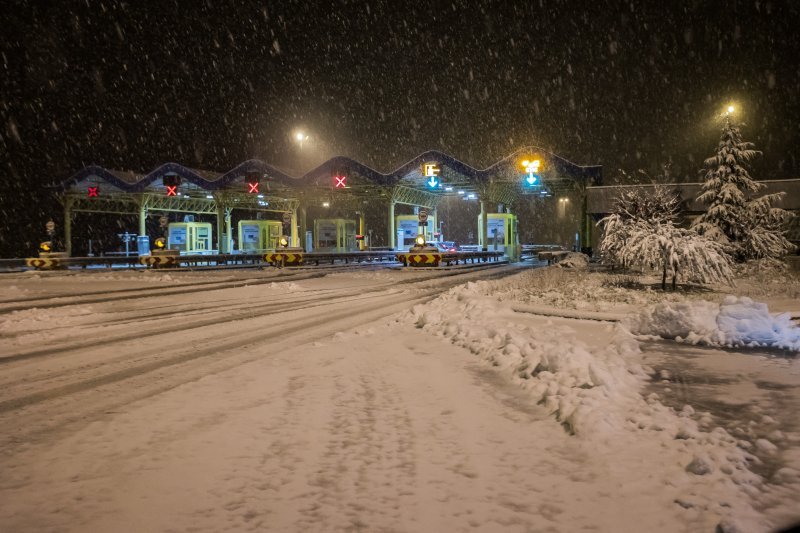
pixel 734 322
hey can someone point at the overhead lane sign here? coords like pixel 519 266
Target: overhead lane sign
pixel 431 171
pixel 532 169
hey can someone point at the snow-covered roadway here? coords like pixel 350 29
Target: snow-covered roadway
pixel 324 404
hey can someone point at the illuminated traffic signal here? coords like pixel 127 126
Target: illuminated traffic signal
pixel 532 169
pixel 171 182
pixel 284 242
pixel 431 171
pixel 94 192
pixel 160 243
pixel 46 246
pixel 340 181
pixel 252 179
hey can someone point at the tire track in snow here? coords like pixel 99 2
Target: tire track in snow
pixel 113 390
pixel 110 388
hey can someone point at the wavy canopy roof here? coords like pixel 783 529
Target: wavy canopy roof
pixel 503 170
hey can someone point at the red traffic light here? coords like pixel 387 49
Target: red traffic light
pixel 94 192
pixel 172 190
pixel 359 237
pixel 252 187
pixel 340 182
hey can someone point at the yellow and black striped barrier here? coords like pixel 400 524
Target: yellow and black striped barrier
pixel 281 259
pixel 43 264
pixel 420 259
pixel 160 258
pixel 159 261
pixel 48 261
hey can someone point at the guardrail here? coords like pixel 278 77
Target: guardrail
pixel 348 257
pixel 457 257
pixel 133 261
pixel 533 250
pixel 313 258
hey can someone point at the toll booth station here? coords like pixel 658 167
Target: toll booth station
pixel 409 228
pixel 189 237
pixel 257 236
pixel 502 234
pixel 340 205
pixel 335 235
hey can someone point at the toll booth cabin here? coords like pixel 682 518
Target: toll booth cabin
pixel 503 235
pixel 190 237
pixel 256 236
pixel 335 235
pixel 408 228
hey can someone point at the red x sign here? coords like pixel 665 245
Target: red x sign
pixel 94 192
pixel 172 190
pixel 253 187
pixel 340 182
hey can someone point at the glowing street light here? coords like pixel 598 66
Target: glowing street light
pixel 731 109
pixel 300 137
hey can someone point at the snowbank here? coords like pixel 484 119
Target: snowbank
pixel 574 260
pixel 595 393
pixel 734 322
pixel 571 380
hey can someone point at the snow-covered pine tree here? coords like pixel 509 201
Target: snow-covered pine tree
pixel 748 228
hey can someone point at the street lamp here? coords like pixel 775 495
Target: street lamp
pixel 300 137
pixel 562 206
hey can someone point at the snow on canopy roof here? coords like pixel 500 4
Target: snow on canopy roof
pixel 210 180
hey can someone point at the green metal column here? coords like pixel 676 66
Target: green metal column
pixel 142 219
pixel 228 235
pixel 484 230
pixel 220 223
pixel 361 230
pixel 586 233
pixel 303 227
pixel 295 240
pixel 68 226
pixel 392 235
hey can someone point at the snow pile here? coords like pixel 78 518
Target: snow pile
pixel 576 289
pixel 734 322
pixel 41 321
pixel 574 260
pixel 563 374
pixel 12 291
pixel 594 392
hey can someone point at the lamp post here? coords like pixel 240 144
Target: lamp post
pixel 729 111
pixel 300 137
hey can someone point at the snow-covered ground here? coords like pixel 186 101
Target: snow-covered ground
pixel 396 401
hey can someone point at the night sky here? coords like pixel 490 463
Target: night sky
pixel 207 83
